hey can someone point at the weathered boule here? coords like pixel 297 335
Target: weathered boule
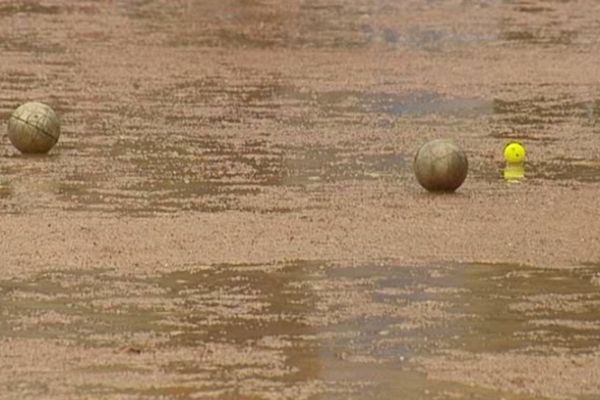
pixel 33 128
pixel 441 165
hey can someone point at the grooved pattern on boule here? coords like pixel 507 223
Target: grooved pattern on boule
pixel 33 128
pixel 441 165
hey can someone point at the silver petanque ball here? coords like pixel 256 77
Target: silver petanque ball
pixel 440 165
pixel 33 128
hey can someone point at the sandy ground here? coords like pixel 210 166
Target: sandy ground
pixel 231 212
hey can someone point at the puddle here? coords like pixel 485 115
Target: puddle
pixel 198 161
pixel 29 7
pixel 313 330
pixel 192 174
pixel 424 103
pixel 323 165
pixel 539 37
pixel 124 159
pixel 217 176
pixel 310 24
pixel 541 111
pixel 541 24
pixel 217 24
pixel 568 170
pixel 277 99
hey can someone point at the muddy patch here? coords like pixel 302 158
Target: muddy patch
pixel 309 330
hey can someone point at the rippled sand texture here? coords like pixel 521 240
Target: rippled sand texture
pixel 230 212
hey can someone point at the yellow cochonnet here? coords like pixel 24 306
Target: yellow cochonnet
pixel 514 154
